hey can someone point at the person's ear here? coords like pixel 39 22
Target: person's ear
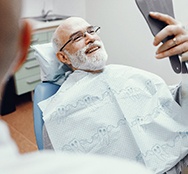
pixel 24 43
pixel 63 58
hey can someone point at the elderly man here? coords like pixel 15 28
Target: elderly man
pixel 14 43
pixel 115 110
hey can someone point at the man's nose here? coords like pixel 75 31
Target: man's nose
pixel 89 38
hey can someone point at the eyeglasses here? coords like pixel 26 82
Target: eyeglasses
pixel 80 35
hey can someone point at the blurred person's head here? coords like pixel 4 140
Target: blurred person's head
pixel 78 45
pixel 14 39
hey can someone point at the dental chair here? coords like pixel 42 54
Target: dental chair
pixel 52 76
pixel 42 91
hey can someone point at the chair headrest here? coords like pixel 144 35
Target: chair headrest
pixel 52 69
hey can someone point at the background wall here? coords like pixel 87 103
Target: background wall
pixel 64 7
pixel 70 7
pixel 125 33
pixel 127 37
pixel 34 7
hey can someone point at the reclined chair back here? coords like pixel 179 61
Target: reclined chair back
pixel 42 91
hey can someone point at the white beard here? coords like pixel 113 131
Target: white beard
pixel 81 61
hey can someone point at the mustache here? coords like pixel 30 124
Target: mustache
pixel 96 43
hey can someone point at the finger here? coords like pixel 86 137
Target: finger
pixel 170 30
pixel 179 39
pixel 179 49
pixel 166 46
pixel 163 17
pixel 184 56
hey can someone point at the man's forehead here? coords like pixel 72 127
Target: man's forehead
pixel 74 24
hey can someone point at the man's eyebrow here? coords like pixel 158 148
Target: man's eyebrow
pixel 74 34
pixel 78 32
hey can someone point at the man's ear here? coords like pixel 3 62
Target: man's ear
pixel 63 58
pixel 24 43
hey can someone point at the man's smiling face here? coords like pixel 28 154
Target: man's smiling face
pixel 85 51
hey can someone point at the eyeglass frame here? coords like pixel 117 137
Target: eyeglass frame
pixel 97 28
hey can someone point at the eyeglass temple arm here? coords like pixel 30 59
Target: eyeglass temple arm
pixel 64 45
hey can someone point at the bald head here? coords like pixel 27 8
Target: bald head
pixel 14 38
pixel 10 14
pixel 9 32
pixel 65 29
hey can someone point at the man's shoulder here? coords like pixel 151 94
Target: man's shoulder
pixel 116 67
pixel 117 70
pixel 122 68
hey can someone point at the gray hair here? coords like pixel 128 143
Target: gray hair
pixel 56 42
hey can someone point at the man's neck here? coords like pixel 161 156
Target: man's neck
pixel 90 71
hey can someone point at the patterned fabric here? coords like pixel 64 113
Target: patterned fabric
pixel 123 112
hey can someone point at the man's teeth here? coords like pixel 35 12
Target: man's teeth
pixel 93 49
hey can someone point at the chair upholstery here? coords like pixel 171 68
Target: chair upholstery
pixel 42 91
